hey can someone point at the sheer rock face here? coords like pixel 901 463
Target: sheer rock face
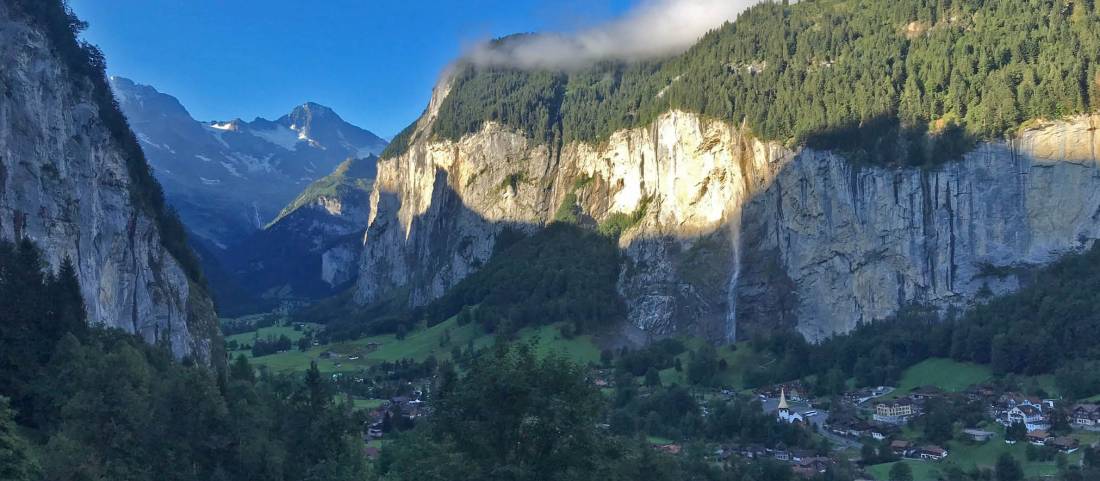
pixel 857 243
pixel 736 231
pixel 64 184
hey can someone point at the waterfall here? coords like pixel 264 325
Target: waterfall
pixel 731 289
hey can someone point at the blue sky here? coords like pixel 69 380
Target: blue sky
pixel 373 61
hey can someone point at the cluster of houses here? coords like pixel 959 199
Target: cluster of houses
pixel 408 407
pixel 803 462
pixel 1007 409
pixel 1016 408
pixel 860 396
pixel 792 390
pixel 905 449
pixel 900 410
pixel 1063 444
pixel 856 428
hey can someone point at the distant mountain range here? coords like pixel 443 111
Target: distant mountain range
pixel 265 202
pixel 309 251
pixel 229 179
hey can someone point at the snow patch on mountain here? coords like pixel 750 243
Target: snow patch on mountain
pixel 261 165
pixel 279 135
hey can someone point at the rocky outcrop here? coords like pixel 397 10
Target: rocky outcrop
pixel 736 231
pixel 309 251
pixel 64 184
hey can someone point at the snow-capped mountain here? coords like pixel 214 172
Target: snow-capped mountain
pixel 228 179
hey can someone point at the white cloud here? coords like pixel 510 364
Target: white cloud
pixel 654 28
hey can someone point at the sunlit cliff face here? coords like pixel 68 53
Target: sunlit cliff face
pixel 737 232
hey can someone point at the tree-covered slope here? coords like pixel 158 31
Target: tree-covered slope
pixel 871 77
pixel 351 178
pixel 1051 326
pixel 285 261
pixel 103 404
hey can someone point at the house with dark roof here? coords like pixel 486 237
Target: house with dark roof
pixel 1038 438
pixel 978 435
pixel 1065 444
pixel 931 453
pixel 1086 415
pixel 901 447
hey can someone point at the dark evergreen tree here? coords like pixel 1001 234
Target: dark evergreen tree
pixel 15 460
pixel 1008 468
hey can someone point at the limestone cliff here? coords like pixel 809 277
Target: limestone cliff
pixel 65 183
pixel 738 231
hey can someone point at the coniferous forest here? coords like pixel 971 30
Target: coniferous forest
pixel 1051 326
pixel 86 403
pixel 908 82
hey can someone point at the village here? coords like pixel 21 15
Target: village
pixel 887 418
pixel 869 428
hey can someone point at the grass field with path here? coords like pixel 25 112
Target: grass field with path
pixel 968 455
pixel 738 362
pixel 359 354
pixel 946 374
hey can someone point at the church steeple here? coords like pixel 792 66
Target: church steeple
pixel 783 406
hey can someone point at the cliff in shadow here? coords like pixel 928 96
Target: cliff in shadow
pixel 721 229
pixel 73 180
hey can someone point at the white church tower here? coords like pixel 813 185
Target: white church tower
pixel 785 413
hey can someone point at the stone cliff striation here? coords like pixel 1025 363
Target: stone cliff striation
pixel 65 184
pixel 738 232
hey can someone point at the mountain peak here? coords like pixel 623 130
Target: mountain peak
pixel 232 125
pixel 309 111
pixel 140 101
pixel 314 106
pixel 118 81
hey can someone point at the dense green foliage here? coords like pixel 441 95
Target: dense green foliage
pixel 1050 326
pixel 908 82
pixel 105 405
pixel 659 356
pixel 36 310
pixel 16 461
pixel 400 142
pixel 86 63
pixel 561 273
pixel 516 417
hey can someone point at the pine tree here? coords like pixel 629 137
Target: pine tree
pixel 319 394
pixel 15 460
pixel 1008 468
pixel 652 377
pixel 67 314
pixel 901 471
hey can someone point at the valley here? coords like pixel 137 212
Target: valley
pixel 830 240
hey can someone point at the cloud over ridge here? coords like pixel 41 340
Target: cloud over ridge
pixel 652 29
